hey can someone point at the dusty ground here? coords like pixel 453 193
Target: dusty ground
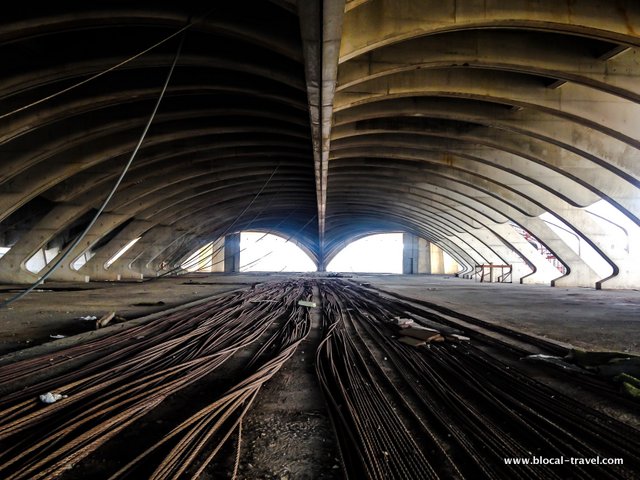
pixel 288 433
pixel 586 318
pixel 56 308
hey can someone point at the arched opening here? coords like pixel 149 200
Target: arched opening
pixel 380 253
pixel 265 252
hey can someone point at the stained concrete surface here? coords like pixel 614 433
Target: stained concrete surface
pixel 585 318
pixel 55 308
pixel 582 317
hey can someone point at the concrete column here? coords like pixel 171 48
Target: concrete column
pixel 217 256
pixel 107 222
pixel 437 259
pixel 580 274
pixel 232 253
pixel 415 255
pixel 424 259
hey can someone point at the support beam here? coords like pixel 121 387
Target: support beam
pixel 217 256
pixel 415 255
pixel 321 30
pixel 232 253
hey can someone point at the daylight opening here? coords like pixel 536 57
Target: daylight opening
pixel 574 241
pixel 381 253
pixel 41 259
pixel 121 252
pixel 263 252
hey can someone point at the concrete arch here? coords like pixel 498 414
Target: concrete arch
pixel 450 121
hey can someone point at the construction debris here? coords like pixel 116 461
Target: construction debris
pixel 629 385
pixel 402 322
pixel 607 364
pixel 104 321
pixel 555 361
pixel 414 342
pixel 456 337
pixel 51 397
pixel 422 333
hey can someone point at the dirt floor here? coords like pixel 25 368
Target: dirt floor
pixel 288 433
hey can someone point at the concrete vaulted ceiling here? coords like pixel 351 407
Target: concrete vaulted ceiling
pixel 323 121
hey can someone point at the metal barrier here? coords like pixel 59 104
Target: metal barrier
pixel 489 273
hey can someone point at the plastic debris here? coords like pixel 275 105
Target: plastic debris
pixel 89 318
pixel 304 303
pixel 403 322
pixel 57 336
pixel 51 397
pixel 456 337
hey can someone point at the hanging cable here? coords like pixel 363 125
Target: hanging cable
pixel 255 197
pixel 243 249
pixel 77 241
pixel 110 69
pixel 211 252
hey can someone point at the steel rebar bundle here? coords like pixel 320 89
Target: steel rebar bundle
pixel 140 367
pixel 466 410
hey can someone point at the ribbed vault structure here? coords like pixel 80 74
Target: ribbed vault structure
pixel 323 121
pixel 234 124
pixel 454 119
